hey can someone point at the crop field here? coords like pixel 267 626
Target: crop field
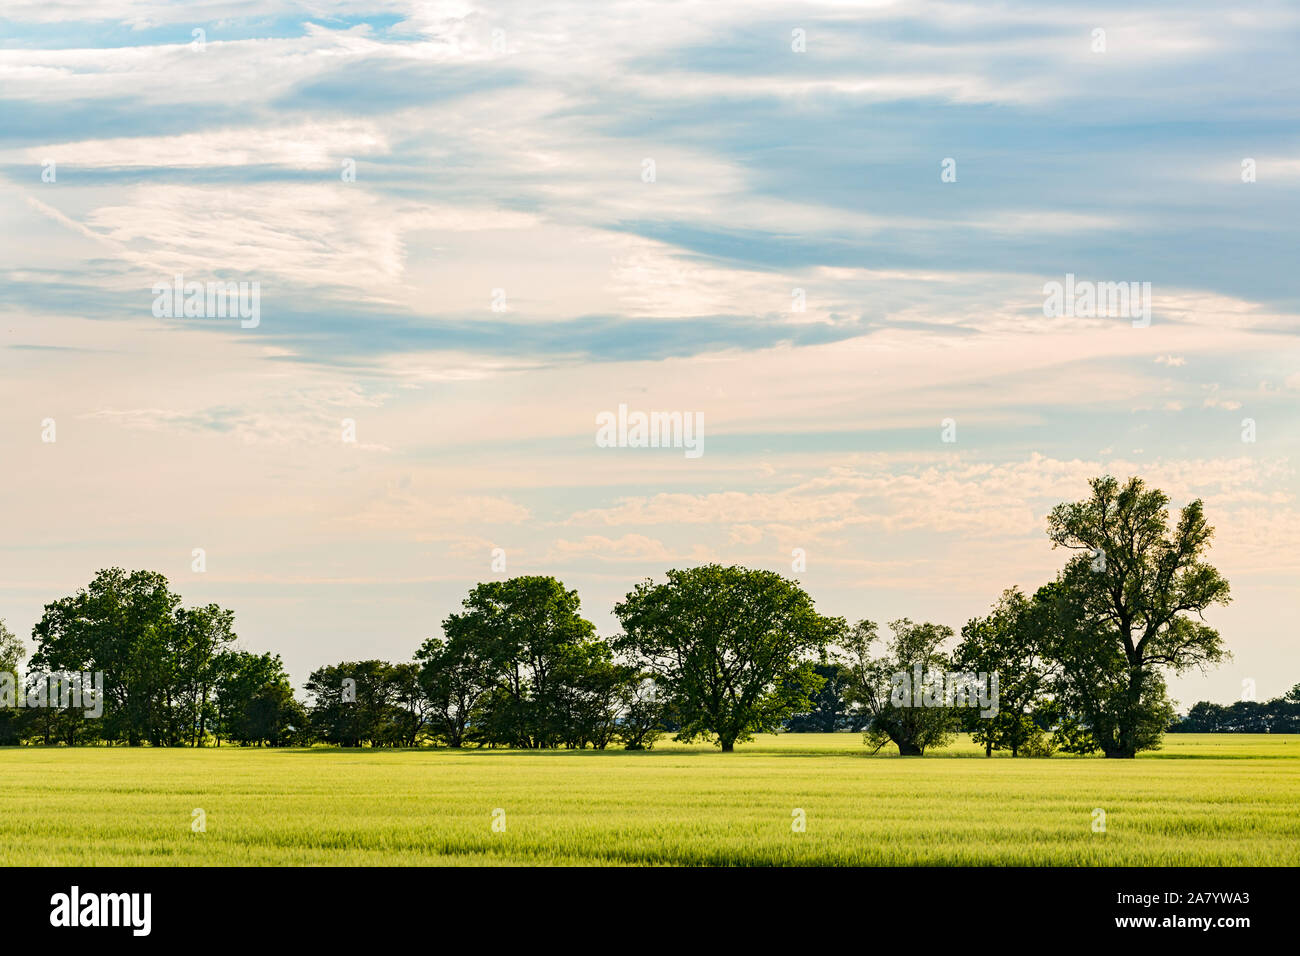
pixel 1202 800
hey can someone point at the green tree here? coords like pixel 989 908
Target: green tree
pixel 590 693
pixel 1128 607
pixel 363 702
pixel 409 717
pixel 121 624
pixel 525 630
pixel 455 673
pixel 12 654
pixel 274 716
pixel 830 710
pixel 12 651
pixel 885 686
pixel 253 700
pixel 733 648
pixel 201 636
pixel 641 713
pixel 1013 643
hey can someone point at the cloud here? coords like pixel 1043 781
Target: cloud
pixel 501 147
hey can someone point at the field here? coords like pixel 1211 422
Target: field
pixel 1203 799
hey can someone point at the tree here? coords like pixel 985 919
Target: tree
pixel 1012 642
pixel 877 683
pixel 642 710
pixel 254 702
pixel 410 708
pixel 1281 715
pixel 454 675
pixel 830 710
pixel 122 625
pixel 12 654
pixel 525 631
pixel 1204 718
pixel 361 702
pixel 158 659
pixel 590 692
pixel 201 636
pixel 12 651
pixel 733 648
pixel 274 716
pixel 1124 609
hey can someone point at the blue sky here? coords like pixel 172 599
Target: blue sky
pixel 503 147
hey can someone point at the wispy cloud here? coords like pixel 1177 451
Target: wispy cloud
pixel 826 228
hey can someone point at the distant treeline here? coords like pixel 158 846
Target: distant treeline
pixel 1281 715
pixel 713 652
pixel 834 712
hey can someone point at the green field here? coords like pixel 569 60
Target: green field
pixel 1203 799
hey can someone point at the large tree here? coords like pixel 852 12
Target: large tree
pixel 526 630
pixel 159 659
pixel 455 673
pixel 1012 642
pixel 125 626
pixel 12 653
pixel 361 702
pixel 733 648
pixel 883 686
pixel 254 702
pixel 201 636
pixel 1130 606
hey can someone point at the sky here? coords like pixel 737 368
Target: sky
pixel 824 230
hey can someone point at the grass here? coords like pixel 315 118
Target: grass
pixel 1202 800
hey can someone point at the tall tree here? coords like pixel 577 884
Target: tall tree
pixel 1129 607
pixel 201 636
pixel 12 654
pixel 1012 642
pixel 525 629
pixel 121 624
pixel 885 687
pixel 362 702
pixel 455 673
pixel 733 648
pixel 253 700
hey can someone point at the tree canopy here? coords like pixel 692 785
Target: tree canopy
pixel 734 649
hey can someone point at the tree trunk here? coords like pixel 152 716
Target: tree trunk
pixel 727 745
pixel 908 749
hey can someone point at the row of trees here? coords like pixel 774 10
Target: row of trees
pixel 712 652
pixel 171 675
pixel 1081 662
pixel 1281 715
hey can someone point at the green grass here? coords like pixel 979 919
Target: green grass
pixel 1203 799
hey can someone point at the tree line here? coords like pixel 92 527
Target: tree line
pixel 711 652
pixel 1281 715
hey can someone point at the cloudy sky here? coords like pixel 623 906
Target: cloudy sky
pixel 558 208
